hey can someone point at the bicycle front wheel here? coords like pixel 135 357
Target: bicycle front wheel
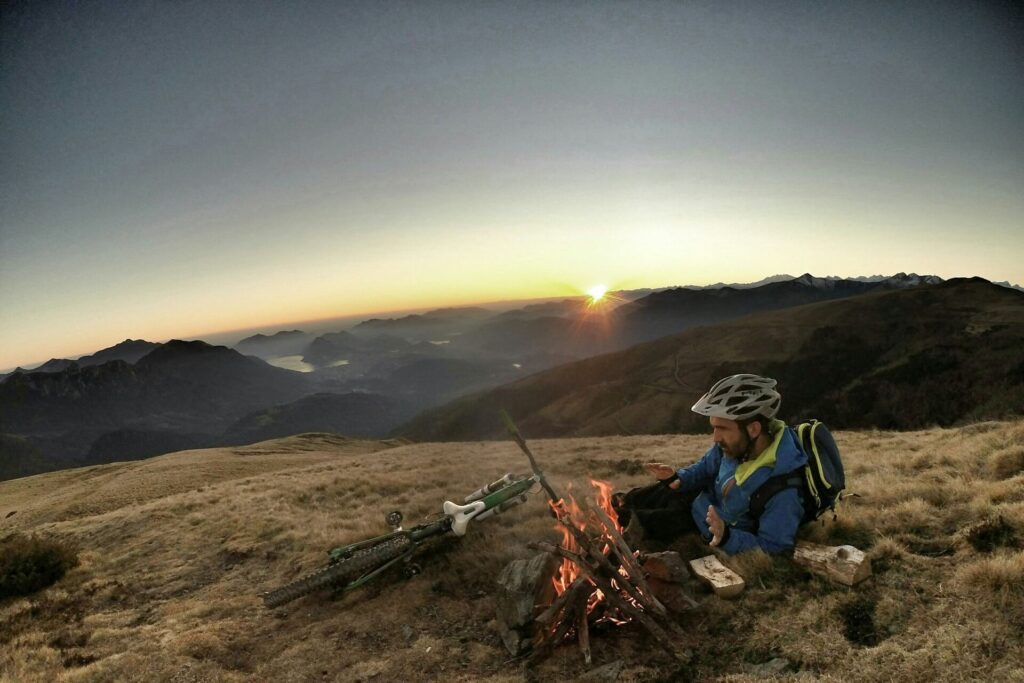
pixel 343 571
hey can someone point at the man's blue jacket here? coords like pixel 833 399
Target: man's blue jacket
pixel 728 485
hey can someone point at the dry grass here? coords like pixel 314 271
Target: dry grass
pixel 175 550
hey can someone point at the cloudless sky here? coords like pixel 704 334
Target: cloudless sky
pixel 177 168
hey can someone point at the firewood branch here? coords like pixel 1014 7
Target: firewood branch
pixel 626 559
pixel 613 597
pixel 521 442
pixel 548 615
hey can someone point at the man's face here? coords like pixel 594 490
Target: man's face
pixel 730 436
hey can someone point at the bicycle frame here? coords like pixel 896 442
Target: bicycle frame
pixel 354 565
pixel 490 500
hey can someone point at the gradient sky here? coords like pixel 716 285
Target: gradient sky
pixel 174 168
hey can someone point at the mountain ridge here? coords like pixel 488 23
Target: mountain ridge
pixel 917 357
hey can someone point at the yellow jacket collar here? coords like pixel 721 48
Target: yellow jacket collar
pixel 767 456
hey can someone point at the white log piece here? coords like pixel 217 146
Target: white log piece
pixel 842 563
pixel 725 582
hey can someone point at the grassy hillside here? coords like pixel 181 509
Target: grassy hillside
pixel 908 359
pixel 175 550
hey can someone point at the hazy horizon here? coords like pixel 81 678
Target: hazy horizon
pixel 175 167
pixel 340 323
pixel 322 325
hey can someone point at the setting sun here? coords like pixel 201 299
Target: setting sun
pixel 597 293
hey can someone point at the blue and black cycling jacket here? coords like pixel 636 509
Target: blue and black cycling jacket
pixel 728 485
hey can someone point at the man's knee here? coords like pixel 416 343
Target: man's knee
pixel 663 513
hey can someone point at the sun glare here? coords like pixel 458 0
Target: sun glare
pixel 597 293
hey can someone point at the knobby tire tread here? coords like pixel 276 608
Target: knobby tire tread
pixel 342 571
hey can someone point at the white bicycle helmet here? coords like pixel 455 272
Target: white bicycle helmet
pixel 740 397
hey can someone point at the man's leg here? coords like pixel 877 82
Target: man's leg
pixel 663 513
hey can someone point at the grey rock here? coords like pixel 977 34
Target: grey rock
pixel 524 589
pixel 514 639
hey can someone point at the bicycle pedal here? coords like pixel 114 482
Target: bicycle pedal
pixel 394 520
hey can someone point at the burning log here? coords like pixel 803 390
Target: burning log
pixel 608 592
pixel 548 615
pixel 628 561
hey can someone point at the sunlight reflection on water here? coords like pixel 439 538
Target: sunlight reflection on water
pixel 291 363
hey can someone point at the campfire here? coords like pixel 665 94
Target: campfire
pixel 598 579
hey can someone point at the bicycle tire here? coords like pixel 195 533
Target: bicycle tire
pixel 342 571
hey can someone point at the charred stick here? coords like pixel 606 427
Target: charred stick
pixel 551 639
pixel 625 556
pixel 567 622
pixel 643 619
pixel 583 541
pixel 583 630
pixel 586 569
pixel 613 597
pixel 604 563
pixel 603 584
pixel 548 615
pixel 575 558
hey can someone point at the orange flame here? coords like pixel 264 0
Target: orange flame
pixel 569 512
pixel 604 501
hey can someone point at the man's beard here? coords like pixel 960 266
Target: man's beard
pixel 741 451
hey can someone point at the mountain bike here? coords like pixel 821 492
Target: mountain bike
pixel 356 564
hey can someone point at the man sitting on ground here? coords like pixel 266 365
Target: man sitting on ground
pixel 712 496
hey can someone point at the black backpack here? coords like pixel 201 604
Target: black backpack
pixel 821 481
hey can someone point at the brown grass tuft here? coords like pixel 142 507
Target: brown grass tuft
pixel 1006 463
pixel 30 563
pixel 1000 574
pixel 991 533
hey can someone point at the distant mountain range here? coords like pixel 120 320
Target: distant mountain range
pixel 890 359
pixel 180 392
pixel 677 309
pixel 140 398
pixel 130 351
pixel 903 277
pixel 287 343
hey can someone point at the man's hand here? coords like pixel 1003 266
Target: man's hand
pixel 661 471
pixel 716 525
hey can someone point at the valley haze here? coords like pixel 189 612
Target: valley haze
pixel 900 352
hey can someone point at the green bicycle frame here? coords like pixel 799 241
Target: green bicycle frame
pixel 455 519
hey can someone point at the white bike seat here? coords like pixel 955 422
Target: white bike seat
pixel 461 514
